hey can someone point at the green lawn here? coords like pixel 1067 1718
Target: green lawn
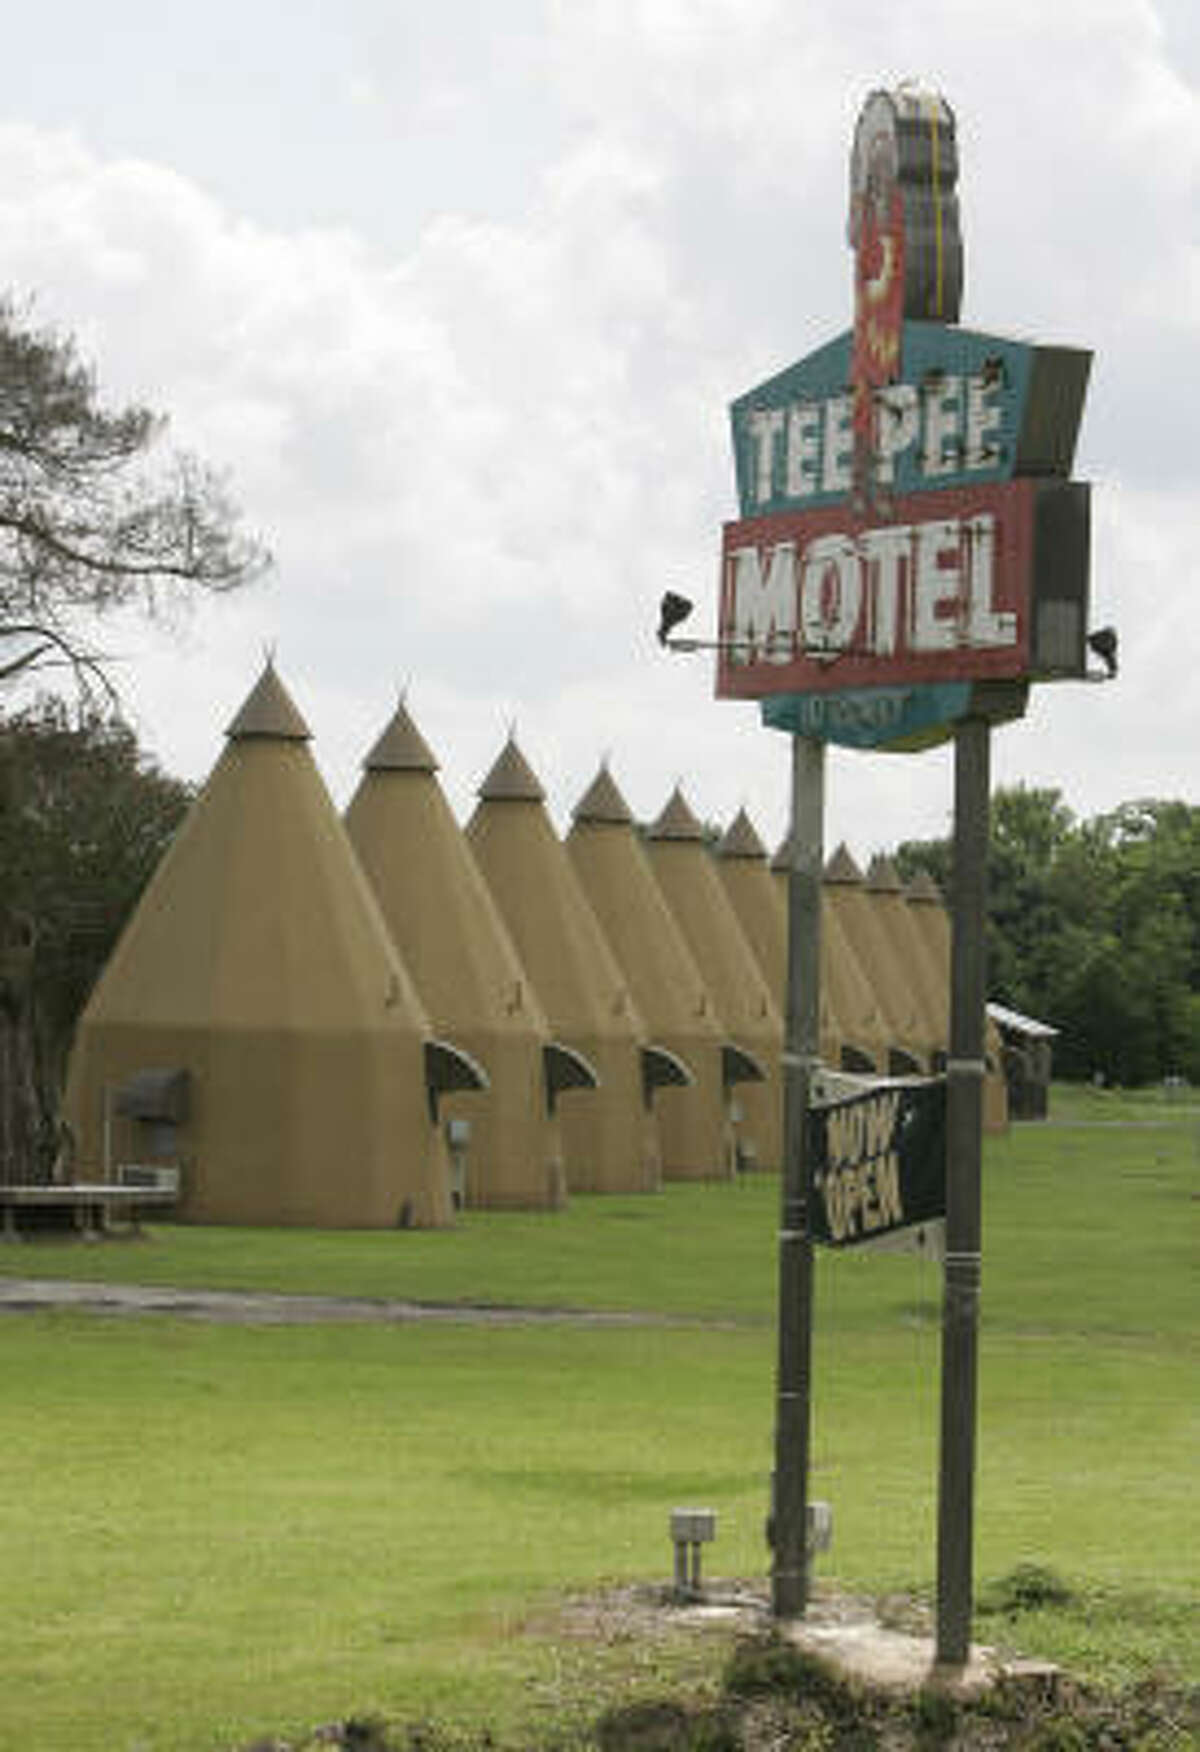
pixel 212 1532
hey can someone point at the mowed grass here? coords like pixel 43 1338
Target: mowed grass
pixel 213 1532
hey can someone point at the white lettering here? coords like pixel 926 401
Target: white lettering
pixel 983 418
pixel 941 403
pixel 887 554
pixel 831 592
pixel 887 1184
pixel 896 422
pixel 837 471
pixel 986 624
pixel 891 591
pixel 860 1187
pixel 865 1188
pixel 765 425
pixel 881 1116
pixel 803 449
pixel 764 607
pixel 950 423
pixel 937 586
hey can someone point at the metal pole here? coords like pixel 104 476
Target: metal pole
pixel 789 1579
pixel 964 1133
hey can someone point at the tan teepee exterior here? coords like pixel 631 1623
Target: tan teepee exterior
pixel 848 900
pixel 932 925
pixel 931 928
pixel 926 1034
pixel 614 873
pixel 761 906
pixel 686 872
pixel 610 1141
pixel 444 922
pixel 857 1027
pixel 257 989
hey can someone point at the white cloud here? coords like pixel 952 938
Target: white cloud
pixel 482 461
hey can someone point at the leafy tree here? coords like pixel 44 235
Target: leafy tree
pixel 84 819
pixel 85 526
pixel 93 518
pixel 1094 926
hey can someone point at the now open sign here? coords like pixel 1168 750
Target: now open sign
pixel 878 1162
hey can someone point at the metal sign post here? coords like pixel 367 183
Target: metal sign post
pixel 965 1072
pixel 789 1580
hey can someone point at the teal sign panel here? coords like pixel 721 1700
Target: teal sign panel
pixel 968 409
pixel 871 717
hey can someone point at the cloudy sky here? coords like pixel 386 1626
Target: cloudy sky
pixel 459 295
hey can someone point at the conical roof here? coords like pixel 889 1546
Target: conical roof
pixel 444 922
pixel 602 801
pixel 269 711
pixel 880 958
pixel 740 839
pixel 841 868
pixel 930 993
pixel 614 872
pixel 931 927
pixel 687 874
pixel 883 876
pixel 757 903
pixel 849 1016
pixel 677 820
pixel 400 748
pixel 511 779
pixel 924 890
pixel 258 962
pixel 929 915
pixel 609 1141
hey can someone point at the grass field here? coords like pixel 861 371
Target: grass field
pixel 212 1532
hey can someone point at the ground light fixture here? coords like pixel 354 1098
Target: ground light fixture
pixel 690 1529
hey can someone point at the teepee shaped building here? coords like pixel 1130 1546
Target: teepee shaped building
pixel 932 923
pixel 254 1026
pixel 686 873
pixel 611 864
pixel 610 1141
pixel 897 919
pixel 444 922
pixel 849 902
pixel 760 904
pixel 922 1036
pixel 859 1030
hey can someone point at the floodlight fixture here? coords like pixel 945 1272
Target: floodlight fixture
pixel 1104 643
pixel 672 611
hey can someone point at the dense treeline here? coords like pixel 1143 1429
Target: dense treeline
pixel 1093 926
pixel 84 819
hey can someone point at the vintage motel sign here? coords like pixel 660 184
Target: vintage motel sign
pixel 910 555
pixel 908 527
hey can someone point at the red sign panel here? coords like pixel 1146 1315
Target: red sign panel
pixel 827 599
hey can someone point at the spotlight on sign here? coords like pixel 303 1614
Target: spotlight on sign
pixel 673 610
pixel 1104 643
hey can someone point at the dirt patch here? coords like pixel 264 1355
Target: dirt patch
pixel 887 1643
pixel 846 1680
pixel 266 1308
